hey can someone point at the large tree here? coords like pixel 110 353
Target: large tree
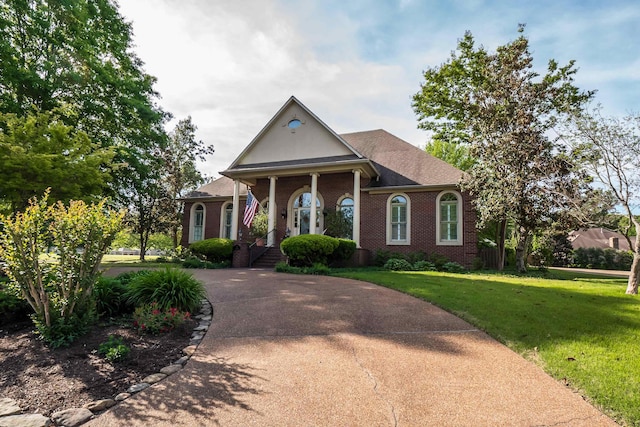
pixel 179 169
pixel 613 147
pixel 76 57
pixel 37 152
pixel 504 111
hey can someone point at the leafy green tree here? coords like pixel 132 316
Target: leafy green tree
pixel 456 154
pixel 612 146
pixel 76 58
pixel 180 172
pixel 60 291
pixel 37 151
pixel 503 110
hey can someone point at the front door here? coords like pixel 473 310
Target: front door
pixel 302 215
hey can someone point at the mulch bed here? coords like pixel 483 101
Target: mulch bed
pixel 43 380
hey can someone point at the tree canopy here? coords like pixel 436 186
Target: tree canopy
pixel 76 58
pixel 504 110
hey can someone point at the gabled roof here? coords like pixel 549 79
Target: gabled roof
pixel 401 163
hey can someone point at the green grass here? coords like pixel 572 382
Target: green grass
pixel 581 329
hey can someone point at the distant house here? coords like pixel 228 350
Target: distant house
pixel 599 238
pixel 397 197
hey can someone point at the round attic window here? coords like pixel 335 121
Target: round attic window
pixel 294 124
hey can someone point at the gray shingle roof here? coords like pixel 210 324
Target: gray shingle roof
pixel 401 163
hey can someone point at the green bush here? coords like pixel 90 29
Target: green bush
pixel 12 308
pixel 398 264
pixel 214 250
pixel 309 249
pixel 383 255
pixel 169 288
pixel 114 349
pixel 193 262
pixel 424 266
pixel 453 267
pixel 317 269
pixel 343 253
pixel 109 293
pixel 438 260
pixel 607 259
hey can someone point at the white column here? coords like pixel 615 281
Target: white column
pixel 236 209
pixel 356 207
pixel 271 237
pixel 314 208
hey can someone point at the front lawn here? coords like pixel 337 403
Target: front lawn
pixel 581 329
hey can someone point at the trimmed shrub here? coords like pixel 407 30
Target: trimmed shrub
pixel 438 260
pixel 398 264
pixel 193 262
pixel 214 250
pixel 309 249
pixel 424 266
pixel 345 250
pixel 607 259
pixel 169 288
pixel 453 267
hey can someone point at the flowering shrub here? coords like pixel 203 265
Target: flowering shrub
pixel 149 318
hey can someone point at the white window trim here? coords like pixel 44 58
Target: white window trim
pixel 459 240
pixel 223 212
pixel 192 220
pixel 344 196
pixel 292 199
pixel 391 242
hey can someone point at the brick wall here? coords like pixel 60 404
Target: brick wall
pixel 373 216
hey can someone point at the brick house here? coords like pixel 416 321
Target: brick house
pixel 397 197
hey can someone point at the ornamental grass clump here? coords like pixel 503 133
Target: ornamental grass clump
pixel 167 288
pixel 150 319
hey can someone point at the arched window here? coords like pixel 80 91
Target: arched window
pixel 197 222
pixel 398 220
pixel 449 218
pixel 300 207
pixel 345 207
pixel 226 220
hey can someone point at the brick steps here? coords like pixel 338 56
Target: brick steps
pixel 269 259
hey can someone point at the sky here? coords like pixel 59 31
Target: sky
pixel 231 64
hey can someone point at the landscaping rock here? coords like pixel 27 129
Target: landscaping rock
pixel 189 350
pixel 122 396
pixel 9 407
pixel 206 317
pixel 100 405
pixel 71 417
pixel 201 327
pixel 195 341
pixel 171 369
pixel 137 387
pixel 154 378
pixel 27 420
pixel 181 361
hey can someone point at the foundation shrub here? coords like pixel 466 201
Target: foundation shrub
pixel 309 249
pixel 214 250
pixel 398 264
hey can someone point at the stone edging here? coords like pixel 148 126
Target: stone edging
pixel 11 415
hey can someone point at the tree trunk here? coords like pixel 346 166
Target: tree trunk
pixel 634 274
pixel 144 238
pixel 501 234
pixel 521 250
pixel 174 236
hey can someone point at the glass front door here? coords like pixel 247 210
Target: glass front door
pixel 302 215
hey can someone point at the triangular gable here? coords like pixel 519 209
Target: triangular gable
pixel 294 133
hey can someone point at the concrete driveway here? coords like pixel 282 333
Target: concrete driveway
pixel 288 350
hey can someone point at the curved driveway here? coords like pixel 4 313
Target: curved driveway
pixel 288 350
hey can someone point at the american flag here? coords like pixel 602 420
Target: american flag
pixel 250 209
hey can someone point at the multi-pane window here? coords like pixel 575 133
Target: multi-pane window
pixel 198 223
pixel 398 219
pixel 448 217
pixel 228 217
pixel 346 209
